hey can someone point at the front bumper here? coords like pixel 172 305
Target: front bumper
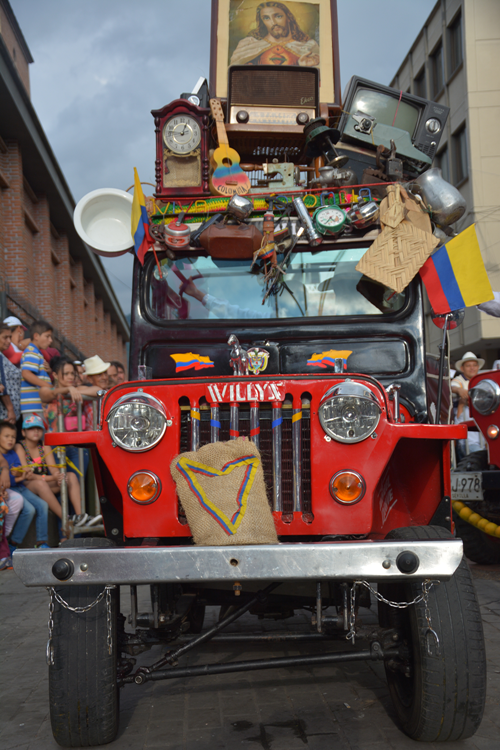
pixel 367 560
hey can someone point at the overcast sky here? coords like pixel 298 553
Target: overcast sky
pixel 101 66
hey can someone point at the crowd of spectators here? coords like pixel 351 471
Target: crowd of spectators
pixel 42 390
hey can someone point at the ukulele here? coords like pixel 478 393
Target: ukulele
pixel 228 178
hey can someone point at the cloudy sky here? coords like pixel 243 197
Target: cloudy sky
pixel 101 66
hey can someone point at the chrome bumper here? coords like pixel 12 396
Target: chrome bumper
pixel 372 561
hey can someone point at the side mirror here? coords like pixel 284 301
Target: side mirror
pixel 451 320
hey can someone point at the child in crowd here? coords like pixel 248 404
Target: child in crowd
pixel 11 504
pixel 42 461
pixel 32 504
pixel 33 368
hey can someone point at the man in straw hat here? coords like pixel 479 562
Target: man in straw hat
pixel 96 374
pixel 467 368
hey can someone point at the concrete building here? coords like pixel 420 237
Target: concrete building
pixel 46 271
pixel 455 60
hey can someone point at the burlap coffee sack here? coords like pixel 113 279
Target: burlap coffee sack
pixel 221 487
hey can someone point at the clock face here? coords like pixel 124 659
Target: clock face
pixel 182 134
pixel 330 219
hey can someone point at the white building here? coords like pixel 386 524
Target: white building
pixel 455 60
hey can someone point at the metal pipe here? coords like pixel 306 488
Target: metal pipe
pixel 133 606
pixel 254 423
pixel 81 462
pixel 97 413
pixel 267 637
pixel 319 607
pixel 173 656
pixel 195 427
pixel 442 349
pixel 277 463
pixel 61 456
pixel 256 664
pixel 214 424
pixel 297 459
pixel 234 416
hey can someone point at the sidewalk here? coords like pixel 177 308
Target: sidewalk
pixel 346 707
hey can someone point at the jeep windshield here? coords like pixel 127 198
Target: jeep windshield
pixel 316 284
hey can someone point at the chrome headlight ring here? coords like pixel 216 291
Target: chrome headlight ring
pixel 137 422
pixel 349 412
pixel 485 396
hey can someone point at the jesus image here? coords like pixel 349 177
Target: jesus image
pixel 276 40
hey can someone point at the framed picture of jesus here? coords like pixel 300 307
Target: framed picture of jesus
pixel 293 32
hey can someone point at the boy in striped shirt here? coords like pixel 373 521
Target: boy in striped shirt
pixel 33 368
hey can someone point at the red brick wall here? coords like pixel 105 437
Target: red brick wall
pixel 37 268
pixel 15 50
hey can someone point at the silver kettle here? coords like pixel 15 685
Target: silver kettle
pixel 443 201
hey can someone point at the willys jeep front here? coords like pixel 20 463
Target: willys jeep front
pixel 328 379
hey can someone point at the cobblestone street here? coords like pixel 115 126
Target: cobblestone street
pixel 345 707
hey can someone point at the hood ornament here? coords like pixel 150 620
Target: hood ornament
pixel 238 357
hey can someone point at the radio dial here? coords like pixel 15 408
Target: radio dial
pixel 433 126
pixel 242 116
pixel 302 118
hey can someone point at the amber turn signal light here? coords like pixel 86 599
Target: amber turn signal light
pixel 144 487
pixel 347 487
pixel 492 431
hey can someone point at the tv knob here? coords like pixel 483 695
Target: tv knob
pixel 433 125
pixel 302 118
pixel 242 116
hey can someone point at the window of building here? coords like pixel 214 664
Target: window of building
pixel 442 161
pixel 455 54
pixel 460 161
pixel 437 71
pixel 419 84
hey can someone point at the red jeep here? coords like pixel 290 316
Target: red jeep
pixel 333 391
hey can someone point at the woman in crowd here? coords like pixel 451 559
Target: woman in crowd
pixel 65 379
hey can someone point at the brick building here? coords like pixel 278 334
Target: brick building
pixel 46 271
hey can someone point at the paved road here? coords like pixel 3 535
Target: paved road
pixel 343 707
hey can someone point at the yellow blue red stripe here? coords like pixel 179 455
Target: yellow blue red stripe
pixel 190 468
pixel 140 221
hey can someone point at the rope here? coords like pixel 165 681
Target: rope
pixel 481 523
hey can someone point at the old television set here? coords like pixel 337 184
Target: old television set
pixel 374 114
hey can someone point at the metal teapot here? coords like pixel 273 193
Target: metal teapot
pixel 444 202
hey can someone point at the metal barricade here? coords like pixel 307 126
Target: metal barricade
pixel 61 452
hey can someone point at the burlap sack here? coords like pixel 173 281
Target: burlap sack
pixel 221 487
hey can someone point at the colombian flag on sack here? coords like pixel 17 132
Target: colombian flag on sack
pixel 455 275
pixel 140 221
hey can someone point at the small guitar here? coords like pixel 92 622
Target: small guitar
pixel 228 178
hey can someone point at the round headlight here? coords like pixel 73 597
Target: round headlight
pixel 349 412
pixel 137 422
pixel 485 396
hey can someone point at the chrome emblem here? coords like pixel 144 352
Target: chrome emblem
pixel 257 359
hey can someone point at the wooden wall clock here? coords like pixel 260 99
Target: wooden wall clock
pixel 181 166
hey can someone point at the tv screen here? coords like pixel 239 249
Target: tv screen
pixel 386 109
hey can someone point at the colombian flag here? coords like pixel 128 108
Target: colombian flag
pixel 327 359
pixel 188 360
pixel 140 221
pixel 455 275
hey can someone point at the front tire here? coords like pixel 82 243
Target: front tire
pixel 83 690
pixel 440 696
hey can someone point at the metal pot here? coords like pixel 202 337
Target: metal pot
pixel 444 202
pixel 363 214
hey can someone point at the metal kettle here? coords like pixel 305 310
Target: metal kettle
pixel 443 201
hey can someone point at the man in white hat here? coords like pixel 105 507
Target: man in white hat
pixel 467 368
pixel 96 374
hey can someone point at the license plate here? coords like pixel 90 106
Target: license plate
pixel 466 486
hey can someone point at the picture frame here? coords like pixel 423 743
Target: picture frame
pixel 312 26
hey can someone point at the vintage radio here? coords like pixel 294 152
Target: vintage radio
pixel 272 95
